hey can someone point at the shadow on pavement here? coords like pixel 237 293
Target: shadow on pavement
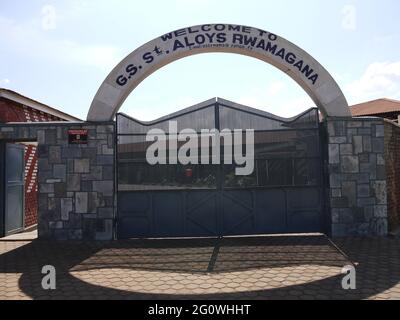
pixel 377 260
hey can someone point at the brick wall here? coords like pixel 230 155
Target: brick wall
pixel 31 187
pixel 14 112
pixel 357 176
pixel 392 156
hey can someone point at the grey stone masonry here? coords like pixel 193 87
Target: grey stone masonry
pixel 76 182
pixel 357 177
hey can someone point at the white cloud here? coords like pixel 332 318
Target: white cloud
pixel 78 7
pixel 385 39
pixel 380 79
pixel 5 81
pixel 275 88
pixel 295 106
pixel 262 95
pixel 28 39
pixel 283 108
pixel 149 113
pixel 272 100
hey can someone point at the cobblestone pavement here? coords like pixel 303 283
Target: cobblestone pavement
pixel 284 267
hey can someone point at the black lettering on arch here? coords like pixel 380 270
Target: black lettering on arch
pixel 271 48
pixel 250 41
pixel 307 71
pixel 233 28
pixel 178 45
pixel 314 78
pixel 237 38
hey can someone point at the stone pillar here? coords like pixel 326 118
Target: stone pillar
pixel 357 178
pixel 76 182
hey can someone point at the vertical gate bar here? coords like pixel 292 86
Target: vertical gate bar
pixel 293 172
pixel 116 166
pixel 184 201
pixel 254 200
pixel 286 209
pixel 324 179
pixel 219 174
pixel 150 216
pixel 218 127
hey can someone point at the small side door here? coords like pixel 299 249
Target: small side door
pixel 14 190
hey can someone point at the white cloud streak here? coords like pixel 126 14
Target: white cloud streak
pixel 4 81
pixel 26 39
pixel 270 99
pixel 380 80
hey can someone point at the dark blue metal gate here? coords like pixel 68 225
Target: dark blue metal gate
pixel 283 195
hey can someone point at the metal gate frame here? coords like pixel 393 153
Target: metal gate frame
pixel 219 190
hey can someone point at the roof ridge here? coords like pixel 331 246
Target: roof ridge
pixel 392 100
pixel 35 104
pixel 379 99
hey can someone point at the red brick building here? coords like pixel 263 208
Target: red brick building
pixel 15 107
pixel 382 108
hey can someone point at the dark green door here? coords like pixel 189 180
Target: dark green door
pixel 14 188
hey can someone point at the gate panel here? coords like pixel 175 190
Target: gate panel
pixel 282 195
pixel 201 214
pixel 271 211
pixel 237 212
pixel 134 213
pixel 167 214
pixel 304 210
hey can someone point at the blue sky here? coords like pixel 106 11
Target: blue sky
pixel 59 52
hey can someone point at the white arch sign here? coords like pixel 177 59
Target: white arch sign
pixel 253 42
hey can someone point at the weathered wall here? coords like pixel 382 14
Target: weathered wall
pixel 357 176
pixel 31 186
pixel 76 182
pixel 14 112
pixel 392 157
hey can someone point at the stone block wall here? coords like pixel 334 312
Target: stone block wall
pixel 392 156
pixel 76 182
pixel 357 176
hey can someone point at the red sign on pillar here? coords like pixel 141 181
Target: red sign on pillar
pixel 78 136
